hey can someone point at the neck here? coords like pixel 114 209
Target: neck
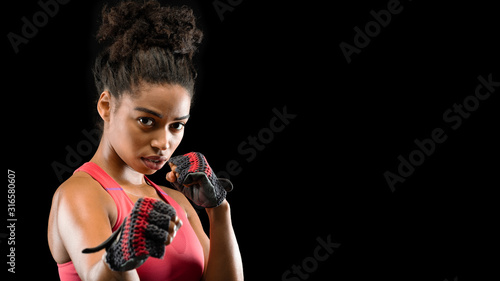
pixel 107 158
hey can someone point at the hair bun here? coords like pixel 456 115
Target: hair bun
pixel 132 26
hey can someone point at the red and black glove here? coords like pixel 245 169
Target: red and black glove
pixel 197 181
pixel 142 234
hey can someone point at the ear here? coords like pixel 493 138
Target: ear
pixel 104 105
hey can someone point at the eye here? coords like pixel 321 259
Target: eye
pixel 177 126
pixel 146 121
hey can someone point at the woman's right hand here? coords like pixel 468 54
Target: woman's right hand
pixel 150 226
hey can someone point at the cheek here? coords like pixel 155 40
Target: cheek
pixel 126 137
pixel 174 142
pixel 136 138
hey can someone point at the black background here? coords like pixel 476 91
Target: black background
pixel 323 175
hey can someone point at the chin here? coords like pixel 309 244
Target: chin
pixel 150 172
pixel 144 170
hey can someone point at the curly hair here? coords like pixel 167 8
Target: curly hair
pixel 145 42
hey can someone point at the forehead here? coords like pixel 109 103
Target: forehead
pixel 167 100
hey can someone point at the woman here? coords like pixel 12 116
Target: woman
pixel 145 78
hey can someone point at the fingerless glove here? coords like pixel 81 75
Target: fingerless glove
pixel 203 186
pixel 141 235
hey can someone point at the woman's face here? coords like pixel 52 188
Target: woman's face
pixel 146 128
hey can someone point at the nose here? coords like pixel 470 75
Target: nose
pixel 161 140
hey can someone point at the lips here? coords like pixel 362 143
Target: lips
pixel 154 162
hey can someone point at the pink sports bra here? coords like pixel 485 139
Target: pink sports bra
pixel 183 258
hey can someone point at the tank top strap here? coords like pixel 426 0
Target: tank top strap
pixel 168 199
pixel 157 188
pixel 122 201
pixel 185 254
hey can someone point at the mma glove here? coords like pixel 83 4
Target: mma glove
pixel 197 181
pixel 142 234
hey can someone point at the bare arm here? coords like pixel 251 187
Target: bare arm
pixel 80 213
pixel 224 258
pixel 224 262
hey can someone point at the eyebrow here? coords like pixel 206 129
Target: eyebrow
pixel 159 115
pixel 182 117
pixel 143 109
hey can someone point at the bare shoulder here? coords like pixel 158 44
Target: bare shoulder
pixel 80 187
pixel 77 201
pixel 81 195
